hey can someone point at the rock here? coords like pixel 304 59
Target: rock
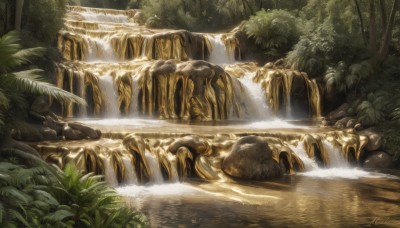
pixel 72 134
pixel 139 18
pixel 251 158
pixel 48 133
pixel 374 139
pixel 194 143
pixel 340 112
pixel 28 134
pixel 88 131
pixel 358 127
pixel 40 105
pixel 378 160
pixel 351 123
pixel 340 124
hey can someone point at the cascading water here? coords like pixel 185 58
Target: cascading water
pixel 125 70
pixel 110 98
pixel 109 174
pixel 130 173
pixel 254 98
pixel 154 165
pixel 219 53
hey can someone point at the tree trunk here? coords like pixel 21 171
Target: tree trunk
pixel 372 34
pixel 387 37
pixel 361 22
pixel 383 13
pixel 19 4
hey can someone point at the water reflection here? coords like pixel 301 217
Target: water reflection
pixel 293 200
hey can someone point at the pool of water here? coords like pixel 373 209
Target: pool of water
pixel 303 200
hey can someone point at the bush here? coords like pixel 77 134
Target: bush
pixel 274 30
pixel 166 14
pixel 38 197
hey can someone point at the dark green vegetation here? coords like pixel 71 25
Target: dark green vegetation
pixel 40 196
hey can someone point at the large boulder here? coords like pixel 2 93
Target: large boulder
pixel 378 160
pixel 90 132
pixel 374 139
pixel 72 134
pixel 251 158
pixel 339 113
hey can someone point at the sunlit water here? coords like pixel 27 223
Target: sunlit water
pixel 302 201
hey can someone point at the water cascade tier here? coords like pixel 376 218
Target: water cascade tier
pixel 124 69
pixel 154 157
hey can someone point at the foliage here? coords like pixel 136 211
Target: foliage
pixel 314 51
pixel 13 84
pixel 44 18
pixel 33 197
pixel 274 29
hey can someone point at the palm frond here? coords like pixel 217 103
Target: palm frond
pixel 4 101
pixel 30 81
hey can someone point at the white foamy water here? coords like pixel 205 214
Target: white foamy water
pixel 154 165
pixel 110 96
pixel 269 124
pixel 157 190
pixel 100 50
pixel 98 17
pixel 130 173
pixel 109 174
pixel 219 53
pixel 309 163
pixel 254 98
pixel 345 173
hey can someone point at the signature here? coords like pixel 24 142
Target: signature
pixel 381 221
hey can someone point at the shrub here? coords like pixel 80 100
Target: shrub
pixel 275 29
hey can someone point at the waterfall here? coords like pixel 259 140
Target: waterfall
pixel 154 165
pixel 335 156
pixel 219 53
pixel 130 173
pixel 254 98
pixel 110 97
pixel 134 106
pixel 309 164
pixel 99 17
pixel 100 50
pixel 109 173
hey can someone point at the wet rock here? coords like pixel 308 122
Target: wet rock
pixel 358 127
pixel 351 123
pixel 342 123
pixel 48 133
pixel 194 143
pixel 251 158
pixel 72 134
pixel 374 139
pixel 29 134
pixel 378 160
pixel 88 131
pixel 40 105
pixel 340 112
